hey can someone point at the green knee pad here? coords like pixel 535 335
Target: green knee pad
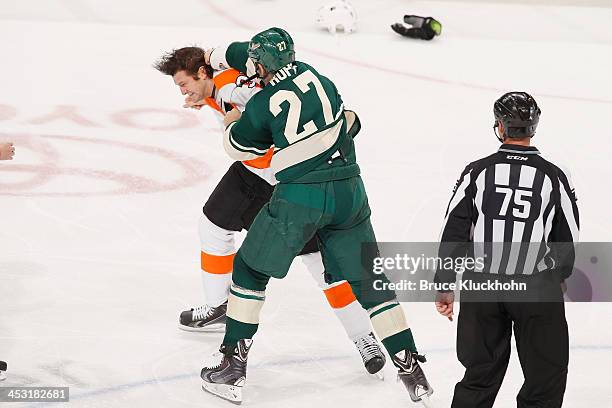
pixel 267 247
pixel 367 296
pixel 247 277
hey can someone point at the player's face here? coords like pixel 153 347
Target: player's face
pixel 198 88
pixel 261 71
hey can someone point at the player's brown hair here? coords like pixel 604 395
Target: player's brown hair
pixel 188 59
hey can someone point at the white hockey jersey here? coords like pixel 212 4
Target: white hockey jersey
pixel 230 93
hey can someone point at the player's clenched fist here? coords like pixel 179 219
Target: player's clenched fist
pixel 194 101
pixel 7 151
pixel 231 116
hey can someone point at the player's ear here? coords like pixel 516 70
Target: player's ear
pixel 202 73
pixel 261 71
pixel 502 130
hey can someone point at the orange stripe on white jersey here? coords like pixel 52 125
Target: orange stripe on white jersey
pixel 227 77
pixel 340 295
pixel 214 105
pixel 217 264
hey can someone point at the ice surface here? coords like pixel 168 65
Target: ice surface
pixel 98 214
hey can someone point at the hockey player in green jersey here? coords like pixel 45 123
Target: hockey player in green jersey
pixel 301 114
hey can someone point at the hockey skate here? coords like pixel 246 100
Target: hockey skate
pixel 371 354
pixel 204 319
pixel 2 370
pixel 226 375
pixel 411 374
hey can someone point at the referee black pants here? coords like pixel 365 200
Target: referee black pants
pixel 484 333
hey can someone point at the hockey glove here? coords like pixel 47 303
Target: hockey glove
pixel 424 28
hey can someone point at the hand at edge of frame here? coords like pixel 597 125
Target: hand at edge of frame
pixel 7 151
pixel 445 302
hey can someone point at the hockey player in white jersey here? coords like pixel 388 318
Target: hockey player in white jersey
pixel 243 190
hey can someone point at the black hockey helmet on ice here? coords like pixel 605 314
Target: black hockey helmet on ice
pixel 519 114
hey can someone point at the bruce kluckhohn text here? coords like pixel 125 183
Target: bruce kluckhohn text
pixel 465 285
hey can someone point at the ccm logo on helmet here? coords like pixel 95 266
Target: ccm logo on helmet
pixel 516 157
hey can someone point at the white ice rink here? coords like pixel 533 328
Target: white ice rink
pixel 98 211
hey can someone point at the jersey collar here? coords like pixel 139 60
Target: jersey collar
pixel 511 148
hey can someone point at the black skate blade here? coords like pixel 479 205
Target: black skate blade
pixel 231 393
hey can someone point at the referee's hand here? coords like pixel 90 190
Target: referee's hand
pixel 445 303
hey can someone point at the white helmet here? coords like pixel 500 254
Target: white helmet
pixel 337 16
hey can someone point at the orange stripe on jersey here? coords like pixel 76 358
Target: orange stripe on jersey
pixel 229 76
pixel 340 295
pixel 213 104
pixel 262 162
pixel 217 264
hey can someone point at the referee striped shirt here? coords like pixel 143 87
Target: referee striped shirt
pixel 512 205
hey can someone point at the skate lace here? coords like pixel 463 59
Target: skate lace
pixel 201 312
pixel 409 362
pixel 368 347
pixel 214 361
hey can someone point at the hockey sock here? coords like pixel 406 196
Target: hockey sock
pixel 217 258
pixel 350 313
pixel 340 297
pixel 390 325
pixel 246 298
pixel 216 277
pixel 243 308
pixel 386 315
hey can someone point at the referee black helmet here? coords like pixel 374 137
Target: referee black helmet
pixel 518 113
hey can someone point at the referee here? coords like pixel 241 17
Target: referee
pixel 518 211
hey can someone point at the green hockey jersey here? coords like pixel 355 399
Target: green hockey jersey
pixel 301 114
